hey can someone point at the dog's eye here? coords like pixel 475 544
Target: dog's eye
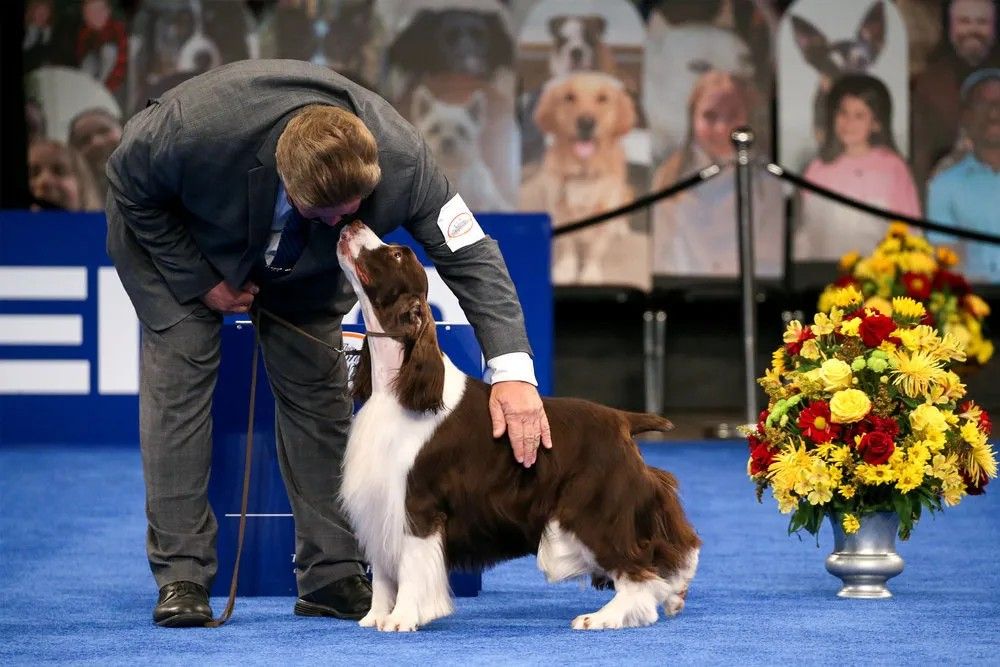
pixel 397 255
pixel 699 66
pixel 602 98
pixel 570 97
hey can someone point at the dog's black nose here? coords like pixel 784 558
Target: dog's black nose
pixel 448 145
pixel 585 127
pixel 576 55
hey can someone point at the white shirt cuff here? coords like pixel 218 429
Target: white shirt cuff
pixel 511 366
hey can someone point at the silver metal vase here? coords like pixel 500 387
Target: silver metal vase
pixel 867 559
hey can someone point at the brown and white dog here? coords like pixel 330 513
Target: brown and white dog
pixel 584 170
pixel 428 488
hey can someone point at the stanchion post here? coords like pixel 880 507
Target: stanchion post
pixel 743 138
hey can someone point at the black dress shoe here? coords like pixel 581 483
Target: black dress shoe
pixel 182 604
pixel 347 598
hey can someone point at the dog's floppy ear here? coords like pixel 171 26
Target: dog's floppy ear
pixel 423 101
pixel 594 25
pixel 545 112
pixel 871 31
pixel 625 118
pixel 361 385
pixel 555 23
pixel 501 46
pixel 420 383
pixel 409 51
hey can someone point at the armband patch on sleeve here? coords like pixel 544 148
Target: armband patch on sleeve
pixel 458 225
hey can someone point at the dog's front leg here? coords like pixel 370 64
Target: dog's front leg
pixel 423 585
pixel 383 598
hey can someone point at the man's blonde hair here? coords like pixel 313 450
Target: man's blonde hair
pixel 326 157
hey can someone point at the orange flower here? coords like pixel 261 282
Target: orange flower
pixel 946 256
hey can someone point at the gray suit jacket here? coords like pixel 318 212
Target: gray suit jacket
pixel 193 186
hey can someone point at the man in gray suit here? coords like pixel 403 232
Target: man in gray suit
pixel 228 191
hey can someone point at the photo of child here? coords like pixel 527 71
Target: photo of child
pixel 859 159
pixel 58 178
pixel 695 233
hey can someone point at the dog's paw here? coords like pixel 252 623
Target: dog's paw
pixel 674 603
pixel 596 621
pixel 372 619
pixel 398 621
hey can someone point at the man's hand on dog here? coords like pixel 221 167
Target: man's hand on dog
pixel 225 299
pixel 516 408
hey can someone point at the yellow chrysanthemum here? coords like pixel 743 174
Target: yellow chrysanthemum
pixel 900 229
pixel 916 262
pixel 874 475
pixel 847 297
pixel 890 245
pixel 847 491
pixel 789 467
pixel 778 360
pixel 919 244
pixel 950 348
pixel 908 309
pixel 976 306
pixel 786 501
pixel 850 524
pixel 946 256
pixel 848 260
pixel 980 458
pixel 915 373
pixel 879 305
pixel 920 337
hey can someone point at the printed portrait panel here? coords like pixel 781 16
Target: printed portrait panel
pixel 967 41
pixel 843 111
pixel 708 70
pixel 174 40
pixel 449 70
pixel 344 35
pixel 585 145
pixel 688 38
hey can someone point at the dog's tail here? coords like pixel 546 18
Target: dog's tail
pixel 643 422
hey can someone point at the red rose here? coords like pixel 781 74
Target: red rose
pixel 815 424
pixel 917 285
pixel 761 456
pixel 876 447
pixel 876 328
pixel 796 346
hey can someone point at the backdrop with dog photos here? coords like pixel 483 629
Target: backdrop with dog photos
pixel 585 147
pixel 708 70
pixel 470 74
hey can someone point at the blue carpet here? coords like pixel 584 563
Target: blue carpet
pixel 75 588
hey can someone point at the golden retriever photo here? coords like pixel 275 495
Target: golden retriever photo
pixel 583 171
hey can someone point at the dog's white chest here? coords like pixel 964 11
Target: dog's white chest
pixel 384 442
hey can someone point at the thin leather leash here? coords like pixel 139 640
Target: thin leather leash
pixel 234 583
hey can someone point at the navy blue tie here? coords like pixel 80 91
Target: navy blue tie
pixel 291 244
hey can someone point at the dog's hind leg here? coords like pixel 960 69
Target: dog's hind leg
pixel 678 583
pixel 383 599
pixel 423 585
pixel 634 605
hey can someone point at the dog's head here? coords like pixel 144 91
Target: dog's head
pixel 576 41
pixel 461 41
pixel 451 130
pixel 587 110
pixel 847 56
pixel 391 286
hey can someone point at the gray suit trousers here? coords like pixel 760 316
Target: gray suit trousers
pixel 179 366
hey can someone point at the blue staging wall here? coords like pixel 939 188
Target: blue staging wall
pixel 69 339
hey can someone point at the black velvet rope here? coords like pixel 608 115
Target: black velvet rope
pixel 641 202
pixel 960 232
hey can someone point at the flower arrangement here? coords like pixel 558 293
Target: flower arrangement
pixel 865 415
pixel 904 264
